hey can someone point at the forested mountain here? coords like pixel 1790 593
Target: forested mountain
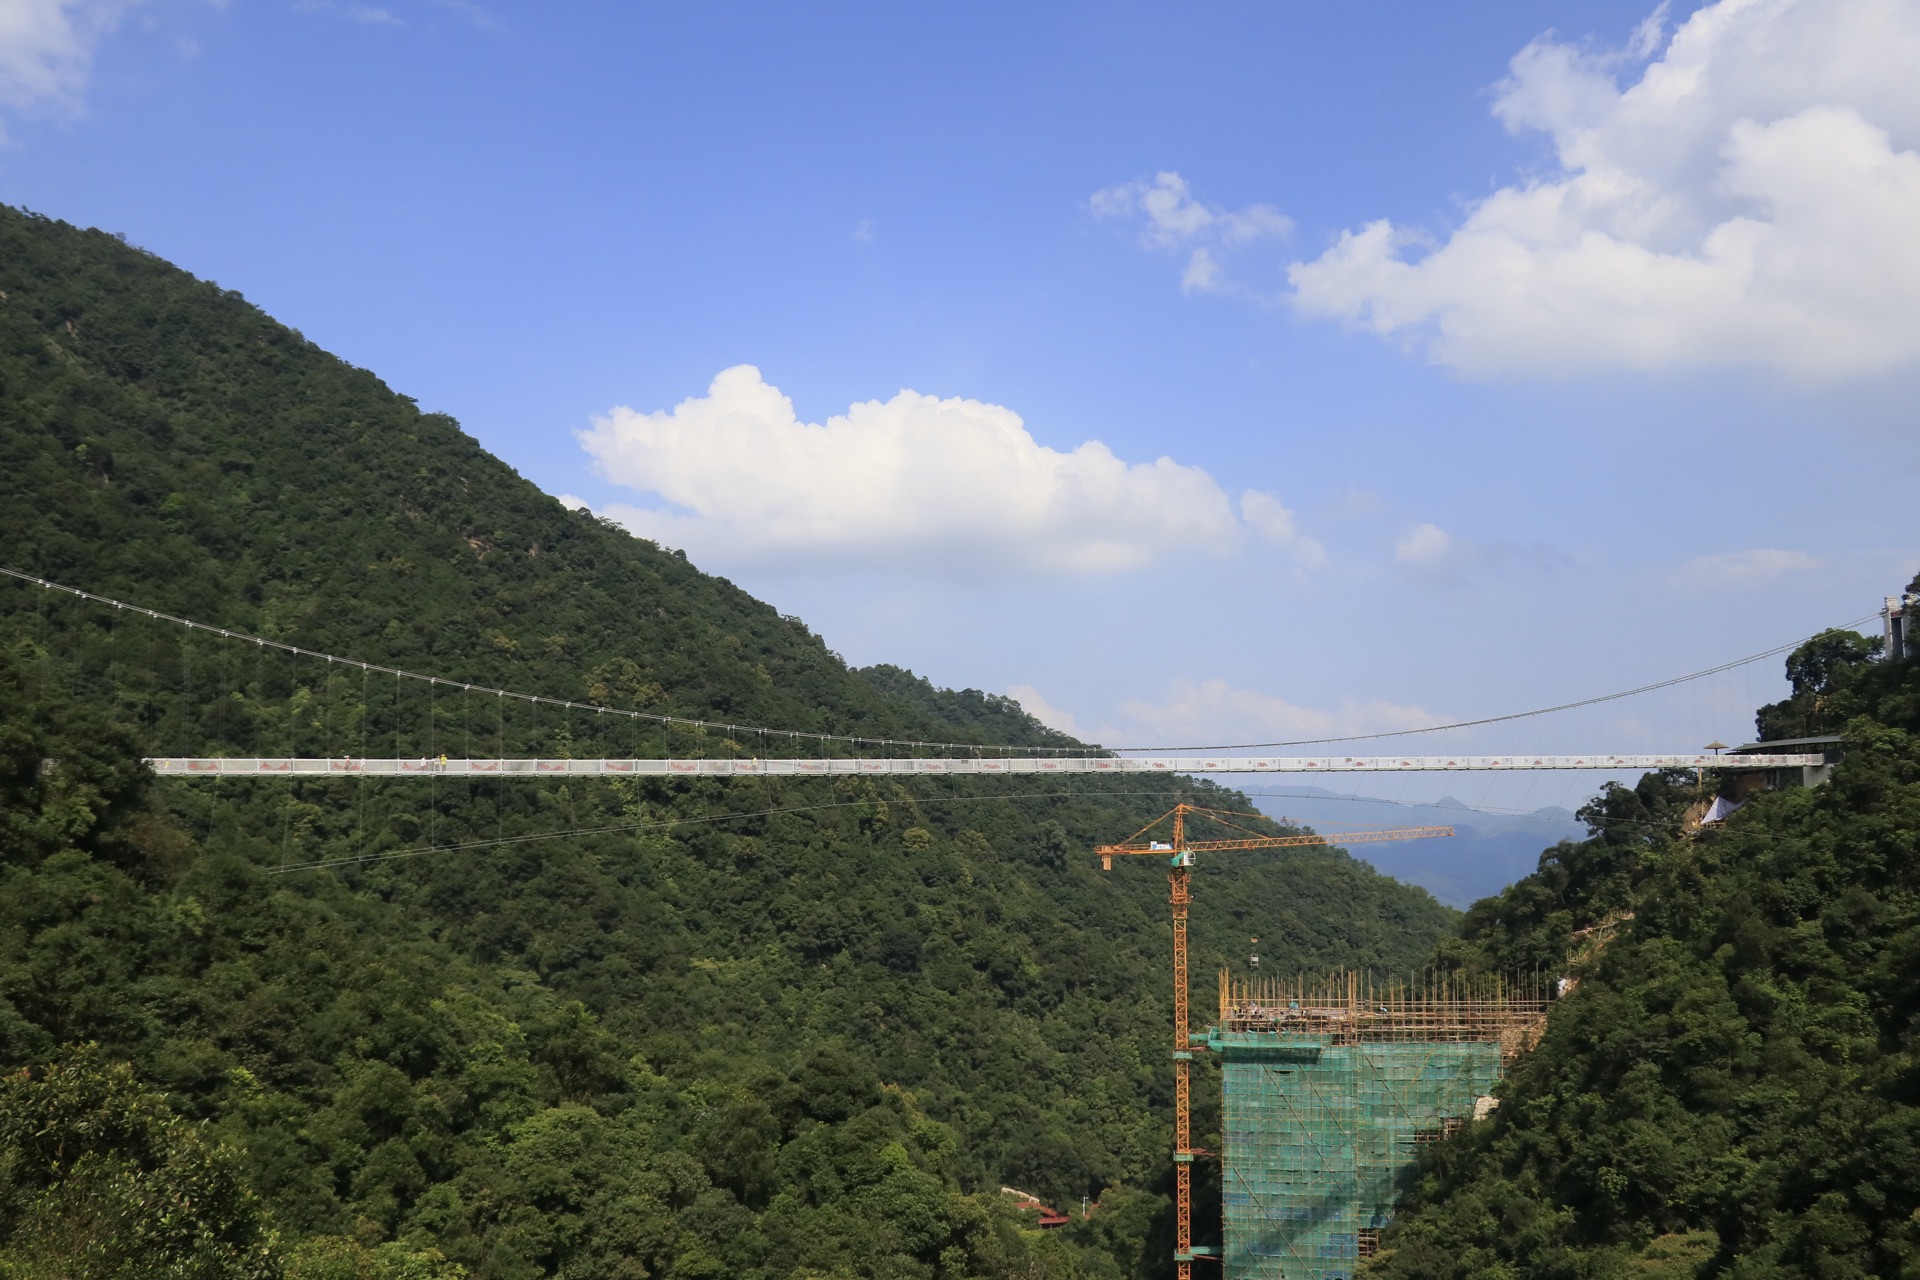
pixel 750 1029
pixel 1732 1087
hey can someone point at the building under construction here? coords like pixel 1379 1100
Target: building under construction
pixel 1332 1085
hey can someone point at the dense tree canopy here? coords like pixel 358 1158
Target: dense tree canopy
pixel 99 1179
pixel 1733 1085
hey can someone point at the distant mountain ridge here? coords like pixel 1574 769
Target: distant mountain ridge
pixel 1487 852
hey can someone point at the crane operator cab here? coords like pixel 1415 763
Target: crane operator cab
pixel 1181 859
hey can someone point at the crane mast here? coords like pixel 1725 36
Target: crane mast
pixel 1182 1054
pixel 1179 852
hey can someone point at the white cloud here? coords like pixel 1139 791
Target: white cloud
pixel 1202 274
pixel 1749 198
pixel 1213 712
pixel 372 15
pixel 1035 704
pixel 936 486
pixel 1205 713
pixel 1743 568
pixel 1648 35
pixel 1209 711
pixel 1268 517
pixel 1426 545
pixel 1172 219
pixel 1352 503
pixel 478 15
pixel 1432 552
pixel 46 49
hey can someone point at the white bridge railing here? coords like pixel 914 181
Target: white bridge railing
pixel 441 766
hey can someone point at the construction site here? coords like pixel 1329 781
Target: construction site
pixel 1331 1087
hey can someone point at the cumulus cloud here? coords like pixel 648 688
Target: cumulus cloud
pixel 1747 198
pixel 1743 568
pixel 943 486
pixel 1171 219
pixel 46 50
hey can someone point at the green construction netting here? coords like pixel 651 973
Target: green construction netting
pixel 1321 1138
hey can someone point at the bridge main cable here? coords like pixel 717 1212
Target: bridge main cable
pixel 536 699
pixel 442 766
pixel 770 732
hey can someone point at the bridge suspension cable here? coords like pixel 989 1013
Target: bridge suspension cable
pixel 735 727
pixel 1778 649
pixel 678 722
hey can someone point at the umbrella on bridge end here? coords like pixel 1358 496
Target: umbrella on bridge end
pixel 1700 775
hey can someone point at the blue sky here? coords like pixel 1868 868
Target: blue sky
pixel 1497 355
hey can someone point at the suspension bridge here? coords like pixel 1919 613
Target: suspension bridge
pixel 1450 1042
pixel 842 755
pixel 954 766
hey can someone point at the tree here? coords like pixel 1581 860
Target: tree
pixel 99 1180
pixel 1820 671
pixel 1811 668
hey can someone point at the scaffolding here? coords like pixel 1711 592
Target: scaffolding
pixel 1332 1085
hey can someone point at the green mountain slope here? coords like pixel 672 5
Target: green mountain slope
pixel 1732 1088
pixel 762 1028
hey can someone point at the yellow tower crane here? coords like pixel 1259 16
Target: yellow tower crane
pixel 1179 851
